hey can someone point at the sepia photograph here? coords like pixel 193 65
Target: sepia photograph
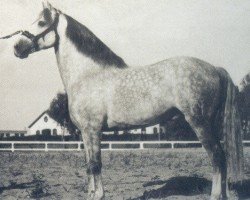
pixel 125 100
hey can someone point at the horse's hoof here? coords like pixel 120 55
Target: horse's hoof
pixel 91 195
pixel 95 196
pixel 215 197
pixel 218 197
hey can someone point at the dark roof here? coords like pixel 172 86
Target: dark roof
pixel 37 119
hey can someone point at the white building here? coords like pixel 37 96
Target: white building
pixel 12 133
pixel 45 125
pixel 147 130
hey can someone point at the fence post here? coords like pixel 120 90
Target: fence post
pixel 172 145
pixel 141 145
pixel 110 146
pixel 79 146
pixel 46 146
pixel 12 147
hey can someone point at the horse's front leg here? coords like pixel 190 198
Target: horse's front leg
pixel 91 138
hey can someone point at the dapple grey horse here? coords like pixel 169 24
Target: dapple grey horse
pixel 104 93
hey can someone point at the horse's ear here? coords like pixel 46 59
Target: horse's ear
pixel 43 5
pixel 46 4
pixel 49 6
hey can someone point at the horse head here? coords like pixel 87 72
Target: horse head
pixel 41 35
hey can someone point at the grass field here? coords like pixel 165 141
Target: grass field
pixel 131 175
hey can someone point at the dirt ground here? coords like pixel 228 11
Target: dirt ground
pixel 131 175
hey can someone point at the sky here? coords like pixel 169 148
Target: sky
pixel 142 32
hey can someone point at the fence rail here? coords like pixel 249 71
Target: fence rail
pixel 111 145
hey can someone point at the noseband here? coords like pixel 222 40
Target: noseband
pixel 35 38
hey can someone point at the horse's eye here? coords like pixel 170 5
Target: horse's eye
pixel 41 23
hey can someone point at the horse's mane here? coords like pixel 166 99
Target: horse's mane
pixel 87 43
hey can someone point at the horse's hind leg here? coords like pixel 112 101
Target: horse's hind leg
pixel 91 139
pixel 216 154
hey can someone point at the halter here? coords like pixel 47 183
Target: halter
pixel 35 38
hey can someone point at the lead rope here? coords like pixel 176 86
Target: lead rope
pixel 11 35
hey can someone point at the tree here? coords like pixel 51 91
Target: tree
pixel 244 97
pixel 244 104
pixel 59 111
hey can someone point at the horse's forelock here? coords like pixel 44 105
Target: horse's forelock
pixel 47 15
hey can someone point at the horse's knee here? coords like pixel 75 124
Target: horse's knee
pixel 216 153
pixel 220 158
pixel 94 167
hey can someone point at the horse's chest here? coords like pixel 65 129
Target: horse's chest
pixel 86 102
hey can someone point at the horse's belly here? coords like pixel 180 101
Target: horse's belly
pixel 140 109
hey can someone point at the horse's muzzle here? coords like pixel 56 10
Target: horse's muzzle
pixel 23 48
pixel 22 55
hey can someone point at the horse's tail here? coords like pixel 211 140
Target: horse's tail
pixel 232 130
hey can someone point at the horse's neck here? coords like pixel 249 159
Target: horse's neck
pixel 72 64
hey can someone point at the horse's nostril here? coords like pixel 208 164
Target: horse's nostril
pixel 16 46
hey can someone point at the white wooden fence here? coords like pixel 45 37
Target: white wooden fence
pixel 111 145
